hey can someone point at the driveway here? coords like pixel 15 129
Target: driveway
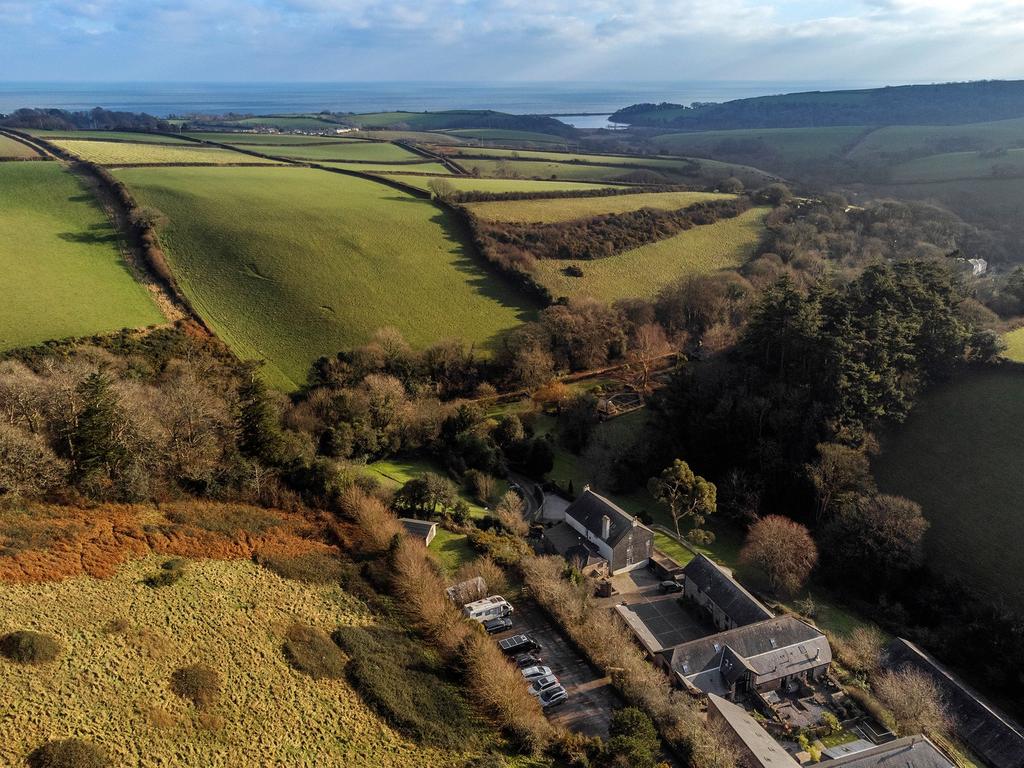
pixel 591 697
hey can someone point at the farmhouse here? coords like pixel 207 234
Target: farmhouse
pixel 756 748
pixel 421 530
pixel 597 532
pixel 727 604
pixel 765 656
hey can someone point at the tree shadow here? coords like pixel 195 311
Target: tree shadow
pixel 96 233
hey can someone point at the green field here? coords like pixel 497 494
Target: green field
pixel 288 264
pixel 11 148
pixel 1014 345
pixel 643 271
pixel 288 122
pixel 897 140
pixel 501 134
pixel 468 184
pixel 786 144
pixel 545 156
pixel 352 151
pixel 393 473
pixel 268 139
pixel 396 168
pixel 960 456
pixel 62 270
pixel 423 137
pixel 526 169
pixel 138 136
pixel 954 166
pixel 125 153
pixel 452 550
pixel 568 208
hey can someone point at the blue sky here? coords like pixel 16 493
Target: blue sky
pixel 514 40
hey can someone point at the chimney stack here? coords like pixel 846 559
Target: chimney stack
pixel 606 527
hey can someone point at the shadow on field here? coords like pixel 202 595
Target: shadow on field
pixel 96 233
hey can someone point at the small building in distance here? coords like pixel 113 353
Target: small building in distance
pixel 764 656
pixel 594 529
pixel 421 530
pixel 754 745
pixel 726 602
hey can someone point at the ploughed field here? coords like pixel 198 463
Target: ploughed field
pixel 960 455
pixel 288 264
pixel 62 269
pixel 642 272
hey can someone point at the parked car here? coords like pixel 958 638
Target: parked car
pixel 497 625
pixel 552 697
pixel 518 644
pixel 532 673
pixel 670 586
pixel 530 659
pixel 541 684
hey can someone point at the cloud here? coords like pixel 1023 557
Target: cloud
pixel 511 39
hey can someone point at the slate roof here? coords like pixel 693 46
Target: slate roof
pixel 736 602
pixel 908 752
pixel 988 732
pixel 418 528
pixel 765 751
pixel 589 509
pixel 767 650
pixel 567 542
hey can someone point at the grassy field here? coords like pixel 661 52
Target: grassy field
pixel 896 140
pixel 671 170
pixel 566 209
pixel 352 151
pixel 125 153
pixel 544 156
pixel 1014 345
pixel 959 165
pixel 960 456
pixel 466 184
pixel 137 136
pixel 62 270
pixel 112 688
pixel 786 144
pixel 642 272
pixel 452 550
pixel 424 167
pixel 289 122
pixel 269 139
pixel 425 137
pixel 529 169
pixel 288 264
pixel 393 473
pixel 500 134
pixel 11 148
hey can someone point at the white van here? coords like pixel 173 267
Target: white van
pixel 493 607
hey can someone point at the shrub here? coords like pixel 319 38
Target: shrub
pixel 915 701
pixel 312 651
pixel 69 753
pixel 484 567
pixel 198 683
pixel 633 742
pixel 170 573
pixel 27 647
pixel 316 567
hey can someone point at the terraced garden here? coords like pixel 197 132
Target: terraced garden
pixel 129 153
pixel 642 272
pixel 273 258
pixel 62 269
pixel 547 211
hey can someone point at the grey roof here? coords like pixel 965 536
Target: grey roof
pixel 986 730
pixel 908 752
pixel 567 542
pixel 589 509
pixel 766 650
pixel 420 528
pixel 727 593
pixel 765 751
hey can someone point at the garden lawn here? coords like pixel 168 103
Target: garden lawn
pixel 565 209
pixel 1014 345
pixel 960 455
pixel 644 271
pixel 289 264
pixel 62 270
pixel 452 550
pixel 131 153
pixel 393 473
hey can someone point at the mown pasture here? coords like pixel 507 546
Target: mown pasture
pixel 1014 345
pixel 9 148
pixel 954 166
pixel 643 271
pixel 422 137
pixel 960 455
pixel 353 151
pixel 288 264
pixel 122 640
pixel 784 145
pixel 288 122
pixel 502 135
pixel 393 473
pixel 547 211
pixel 267 139
pixel 127 153
pixel 396 168
pixel 472 184
pixel 62 269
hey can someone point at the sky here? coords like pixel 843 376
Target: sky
pixel 895 41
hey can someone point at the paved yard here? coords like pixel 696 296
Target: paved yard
pixel 591 697
pixel 667 620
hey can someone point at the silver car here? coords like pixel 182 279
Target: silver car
pixel 552 697
pixel 542 684
pixel 532 673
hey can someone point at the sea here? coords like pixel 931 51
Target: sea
pixel 583 104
